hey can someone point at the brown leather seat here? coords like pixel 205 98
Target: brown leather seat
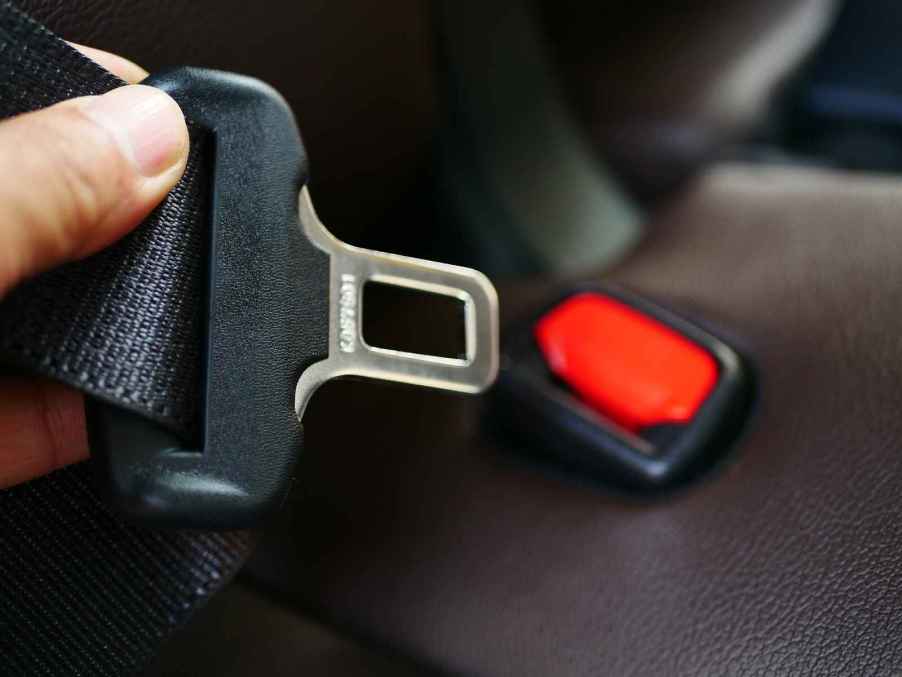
pixel 416 528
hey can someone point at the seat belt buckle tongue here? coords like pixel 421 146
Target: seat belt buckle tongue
pixel 284 313
pixel 350 355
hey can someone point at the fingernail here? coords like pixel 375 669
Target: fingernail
pixel 146 122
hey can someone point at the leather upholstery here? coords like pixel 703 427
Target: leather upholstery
pixel 420 530
pixel 358 75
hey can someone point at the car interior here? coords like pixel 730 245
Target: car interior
pixel 729 170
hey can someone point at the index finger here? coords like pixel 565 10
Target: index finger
pixel 131 72
pixel 42 428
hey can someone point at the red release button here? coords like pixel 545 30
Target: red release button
pixel 628 366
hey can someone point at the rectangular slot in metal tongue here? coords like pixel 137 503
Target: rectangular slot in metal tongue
pixel 349 355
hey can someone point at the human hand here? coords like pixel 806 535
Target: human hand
pixel 74 178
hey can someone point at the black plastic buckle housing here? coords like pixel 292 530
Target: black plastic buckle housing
pixel 539 411
pixel 267 320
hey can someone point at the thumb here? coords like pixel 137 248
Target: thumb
pixel 76 176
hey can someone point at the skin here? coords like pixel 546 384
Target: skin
pixel 76 177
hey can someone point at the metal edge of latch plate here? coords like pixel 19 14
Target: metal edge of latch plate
pixel 349 355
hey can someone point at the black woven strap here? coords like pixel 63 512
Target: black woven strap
pixel 80 591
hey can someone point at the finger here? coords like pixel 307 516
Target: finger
pixel 42 428
pixel 115 64
pixel 80 174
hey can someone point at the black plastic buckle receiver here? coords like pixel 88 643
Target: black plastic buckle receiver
pixel 542 413
pixel 267 320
